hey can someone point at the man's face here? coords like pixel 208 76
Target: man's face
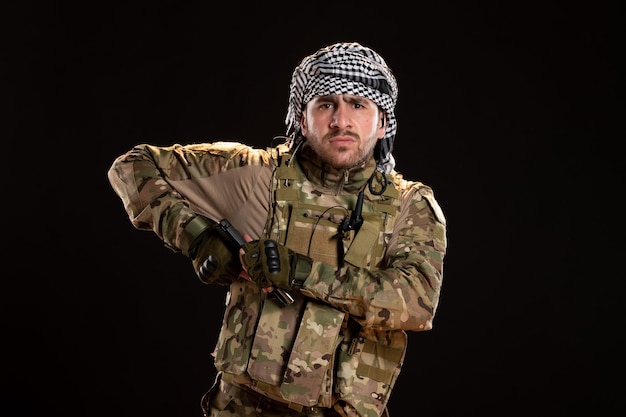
pixel 342 129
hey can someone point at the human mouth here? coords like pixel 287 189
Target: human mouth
pixel 342 139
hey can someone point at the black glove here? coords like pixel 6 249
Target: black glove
pixel 271 264
pixel 213 261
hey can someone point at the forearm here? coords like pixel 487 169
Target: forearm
pixel 403 296
pixel 403 293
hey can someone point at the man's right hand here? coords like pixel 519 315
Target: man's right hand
pixel 214 262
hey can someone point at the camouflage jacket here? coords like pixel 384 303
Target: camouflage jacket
pixel 342 343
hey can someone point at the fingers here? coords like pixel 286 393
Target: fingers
pixel 243 274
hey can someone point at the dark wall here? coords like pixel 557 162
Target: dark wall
pixel 508 113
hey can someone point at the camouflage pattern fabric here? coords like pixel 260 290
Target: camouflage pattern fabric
pixel 366 376
pixel 383 291
pixel 229 400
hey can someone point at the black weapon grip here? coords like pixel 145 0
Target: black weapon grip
pixel 230 235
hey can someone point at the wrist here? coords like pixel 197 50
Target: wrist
pixel 192 235
pixel 301 266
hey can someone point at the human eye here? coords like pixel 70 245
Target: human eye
pixel 358 103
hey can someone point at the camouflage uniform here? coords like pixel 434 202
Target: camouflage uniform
pixel 337 351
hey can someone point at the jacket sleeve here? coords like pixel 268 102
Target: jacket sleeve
pixel 404 294
pixel 163 189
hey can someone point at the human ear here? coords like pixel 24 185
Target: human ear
pixel 303 128
pixel 382 128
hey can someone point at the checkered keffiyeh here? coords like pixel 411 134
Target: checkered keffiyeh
pixel 346 68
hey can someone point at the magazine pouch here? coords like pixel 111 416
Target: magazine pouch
pixel 306 379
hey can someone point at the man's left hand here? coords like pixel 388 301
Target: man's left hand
pixel 269 264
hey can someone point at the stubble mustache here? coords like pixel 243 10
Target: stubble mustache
pixel 342 133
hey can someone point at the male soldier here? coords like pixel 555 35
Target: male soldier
pixel 340 254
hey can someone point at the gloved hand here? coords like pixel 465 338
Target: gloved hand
pixel 213 261
pixel 271 264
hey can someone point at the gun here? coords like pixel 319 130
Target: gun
pixel 234 240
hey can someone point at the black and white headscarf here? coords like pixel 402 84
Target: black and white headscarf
pixel 346 68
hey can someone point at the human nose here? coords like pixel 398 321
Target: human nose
pixel 340 118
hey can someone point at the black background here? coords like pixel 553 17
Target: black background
pixel 511 113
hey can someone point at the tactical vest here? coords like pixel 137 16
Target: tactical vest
pixel 309 353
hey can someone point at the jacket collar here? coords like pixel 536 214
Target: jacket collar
pixel 318 172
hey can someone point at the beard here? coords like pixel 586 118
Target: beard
pixel 342 157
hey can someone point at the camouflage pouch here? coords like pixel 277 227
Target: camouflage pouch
pixel 274 338
pixel 370 365
pixel 313 231
pixel 367 247
pixel 240 318
pixel 306 376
